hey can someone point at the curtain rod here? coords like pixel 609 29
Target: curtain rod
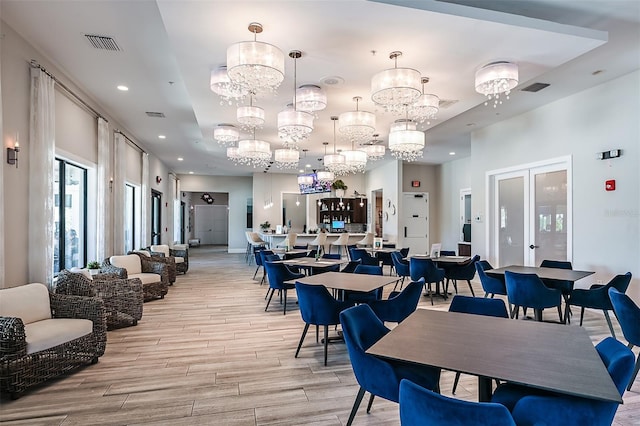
pixel 131 142
pixel 35 64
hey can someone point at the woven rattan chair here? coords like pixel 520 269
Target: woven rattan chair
pixel 122 298
pixel 179 254
pixel 159 257
pixel 153 274
pixel 26 357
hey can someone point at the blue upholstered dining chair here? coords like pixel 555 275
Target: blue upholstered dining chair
pixel 628 314
pixel 335 256
pixel 597 297
pixel 420 406
pixel 447 253
pixel 318 307
pixel 260 256
pixel 530 406
pixel 476 306
pixel 278 274
pixel 565 287
pixel 362 297
pixel 363 256
pixel 425 268
pixel 464 272
pixel 401 266
pixel 400 304
pixel 528 291
pixel 361 329
pixel 490 285
pixel 351 267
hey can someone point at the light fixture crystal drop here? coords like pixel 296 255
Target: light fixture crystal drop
pixel 406 144
pixel 357 125
pixel 310 98
pixel 496 78
pixel 426 107
pixel 232 154
pixel 294 126
pixel 221 84
pixel 286 158
pixel 335 163
pixel 325 176
pixel 375 149
pixel 356 160
pixel 254 152
pixel 395 88
pixel 250 117
pixel 254 65
pixel 226 134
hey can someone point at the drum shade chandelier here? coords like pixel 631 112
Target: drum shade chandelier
pixel 355 159
pixel 310 98
pixel 405 142
pixel 496 78
pixel 250 116
pixel 336 163
pixel 293 125
pixel 395 88
pixel 286 158
pixel 374 148
pixel 226 134
pixel 221 84
pixel 426 107
pixel 255 66
pixel 357 125
pixel 325 176
pixel 254 152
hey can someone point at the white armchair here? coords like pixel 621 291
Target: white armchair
pixel 180 254
pixel 367 241
pixel 154 275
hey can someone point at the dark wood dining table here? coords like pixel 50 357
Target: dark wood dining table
pixel 353 282
pixel 311 265
pixel 544 356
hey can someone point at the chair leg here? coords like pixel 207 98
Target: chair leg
pixel 471 288
pixel 455 383
pixel 562 318
pixel 304 333
pixel 635 371
pixel 270 296
pixel 256 272
pixel 356 404
pixel 317 334
pixel 537 314
pixel 326 343
pixel 285 302
pixel 370 403
pixel 606 315
pixel 581 315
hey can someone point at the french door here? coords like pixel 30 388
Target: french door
pixel 531 214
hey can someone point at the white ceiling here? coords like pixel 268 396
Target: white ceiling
pixel 169 48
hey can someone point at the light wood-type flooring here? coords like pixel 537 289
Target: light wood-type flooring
pixel 208 354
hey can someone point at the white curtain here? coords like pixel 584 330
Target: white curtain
pixel 145 197
pixel 1 192
pixel 119 159
pixel 176 213
pixel 41 177
pixel 103 216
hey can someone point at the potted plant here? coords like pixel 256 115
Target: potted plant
pixel 93 267
pixel 265 226
pixel 339 186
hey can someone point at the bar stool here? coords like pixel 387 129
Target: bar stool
pixel 342 241
pixel 319 241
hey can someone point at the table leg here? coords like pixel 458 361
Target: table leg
pixel 484 389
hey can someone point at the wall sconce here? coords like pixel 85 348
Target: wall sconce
pixel 12 153
pixel 110 184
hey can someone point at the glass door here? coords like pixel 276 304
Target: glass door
pixel 156 217
pixel 550 220
pixel 511 211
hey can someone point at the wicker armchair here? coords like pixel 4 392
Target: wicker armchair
pixel 122 298
pixel 29 360
pixel 159 257
pixel 179 253
pixel 153 274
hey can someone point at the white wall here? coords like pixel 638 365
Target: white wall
pixel 239 190
pixel 606 229
pixel 454 176
pixel 387 177
pixel 430 182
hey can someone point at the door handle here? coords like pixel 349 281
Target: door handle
pixel 405 232
pixel 533 247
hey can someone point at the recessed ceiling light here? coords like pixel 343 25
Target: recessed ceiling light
pixel 162 137
pixel 307 165
pixel 300 171
pixel 123 88
pixel 452 153
pixel 190 173
pixel 180 158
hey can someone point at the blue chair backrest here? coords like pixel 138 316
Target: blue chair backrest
pixel 420 406
pixel 318 306
pixel 528 290
pixel 628 314
pixel 404 251
pixel 288 256
pixel 351 266
pixel 399 305
pixel 331 256
pixel 278 273
pixel 260 256
pixel 368 269
pixel 478 306
pixel 361 329
pixel 619 361
pixel 558 264
pixel 425 268
pixel 464 272
pixel 489 284
pixel 363 256
pixel 270 258
pixel 402 266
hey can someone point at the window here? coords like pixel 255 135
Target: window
pixel 70 216
pixel 156 217
pixel 129 219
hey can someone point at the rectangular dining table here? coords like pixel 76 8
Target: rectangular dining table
pixel 353 282
pixel 545 356
pixel 441 259
pixel 311 264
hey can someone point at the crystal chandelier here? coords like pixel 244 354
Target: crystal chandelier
pixel 250 116
pixel 356 160
pixel 254 152
pixel 374 148
pixel 305 180
pixel 226 134
pixel 395 88
pixel 256 66
pixel 293 125
pixel 496 78
pixel 357 125
pixel 406 143
pixel 335 163
pixel 232 154
pixel 325 177
pixel 221 84
pixel 286 158
pixel 426 107
pixel 310 98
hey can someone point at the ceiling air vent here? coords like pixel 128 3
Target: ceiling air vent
pixel 103 42
pixel 535 87
pixel 446 103
pixel 153 114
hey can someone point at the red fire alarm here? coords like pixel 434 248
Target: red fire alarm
pixel 415 183
pixel 610 185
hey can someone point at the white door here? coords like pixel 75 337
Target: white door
pixel 532 215
pixel 211 224
pixel 416 221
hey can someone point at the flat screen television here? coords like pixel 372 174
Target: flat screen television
pixel 314 187
pixel 337 224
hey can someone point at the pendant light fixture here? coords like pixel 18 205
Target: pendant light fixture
pixel 325 177
pixel 355 159
pixel 254 152
pixel 395 88
pixel 254 65
pixel 374 148
pixel 250 117
pixel 221 84
pixel 286 158
pixel 357 125
pixel 226 134
pixel 406 143
pixel 496 78
pixel 426 107
pixel 310 98
pixel 294 126
pixel 335 162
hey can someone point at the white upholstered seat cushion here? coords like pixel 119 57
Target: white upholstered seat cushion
pixel 130 262
pixel 146 277
pixel 84 272
pixel 29 302
pixel 161 248
pixel 179 259
pixel 45 334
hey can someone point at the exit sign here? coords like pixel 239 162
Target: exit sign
pixel 415 183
